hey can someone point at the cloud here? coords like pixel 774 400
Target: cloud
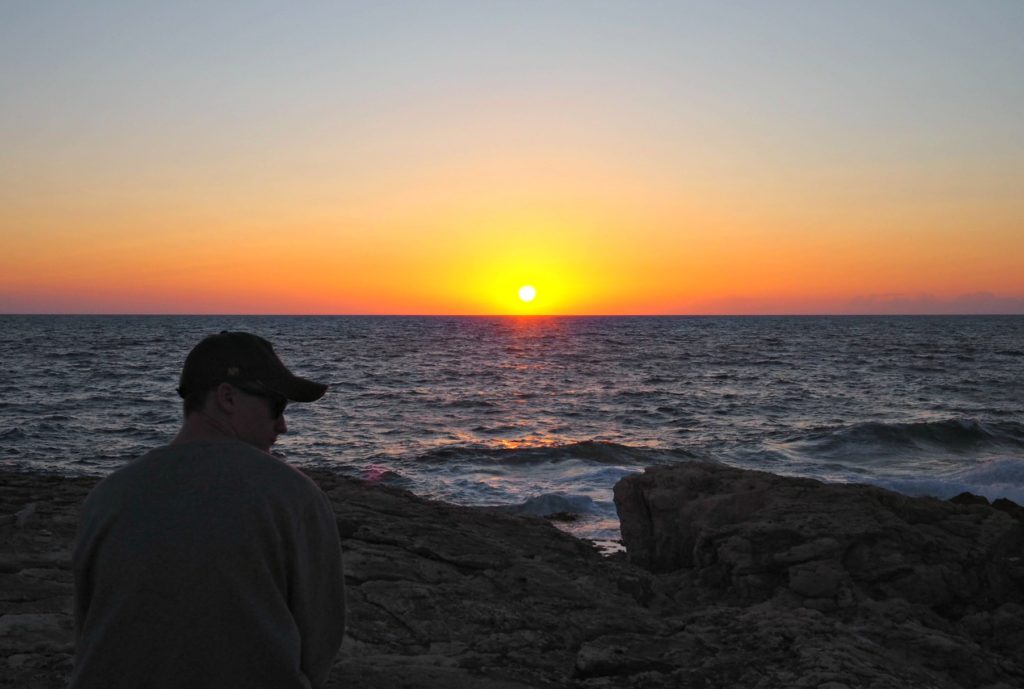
pixel 981 303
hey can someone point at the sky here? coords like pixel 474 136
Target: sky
pixel 729 157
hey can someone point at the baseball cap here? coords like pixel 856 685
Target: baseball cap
pixel 238 357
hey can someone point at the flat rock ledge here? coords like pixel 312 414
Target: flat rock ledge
pixel 733 579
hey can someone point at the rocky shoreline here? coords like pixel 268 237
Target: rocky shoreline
pixel 733 579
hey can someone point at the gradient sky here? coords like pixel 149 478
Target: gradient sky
pixel 433 157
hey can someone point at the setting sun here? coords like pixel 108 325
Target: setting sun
pixel 527 293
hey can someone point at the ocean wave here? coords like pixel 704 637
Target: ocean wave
pixel 555 504
pixel 466 404
pixel 376 473
pixel 956 435
pixel 997 478
pixel 592 451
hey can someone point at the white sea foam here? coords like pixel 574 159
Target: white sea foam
pixel 993 479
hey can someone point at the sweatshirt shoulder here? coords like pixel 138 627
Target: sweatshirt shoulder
pixel 210 463
pixel 266 468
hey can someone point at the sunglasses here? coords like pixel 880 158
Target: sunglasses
pixel 277 402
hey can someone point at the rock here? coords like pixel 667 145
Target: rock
pixel 924 580
pixel 557 507
pixel 628 654
pixel 969 499
pixel 24 515
pixel 471 596
pixel 775 591
pixel 22 633
pixel 18 660
pixel 1009 507
pixel 1002 504
pixel 819 579
pixel 754 535
pixel 563 516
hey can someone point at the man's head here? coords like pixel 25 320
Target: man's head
pixel 238 381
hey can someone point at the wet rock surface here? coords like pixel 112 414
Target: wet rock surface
pixel 760 584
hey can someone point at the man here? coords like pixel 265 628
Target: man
pixel 209 562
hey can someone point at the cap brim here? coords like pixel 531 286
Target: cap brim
pixel 299 389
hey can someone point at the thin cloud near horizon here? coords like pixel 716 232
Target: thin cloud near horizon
pixel 977 303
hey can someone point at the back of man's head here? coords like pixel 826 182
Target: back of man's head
pixel 242 359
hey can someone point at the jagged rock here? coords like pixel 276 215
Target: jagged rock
pixel 1001 504
pixel 1009 507
pixel 969 499
pixel 751 536
pixel 921 579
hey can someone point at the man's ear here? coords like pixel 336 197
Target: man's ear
pixel 225 396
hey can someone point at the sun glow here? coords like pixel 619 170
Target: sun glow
pixel 527 293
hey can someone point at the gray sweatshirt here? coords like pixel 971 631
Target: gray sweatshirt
pixel 207 565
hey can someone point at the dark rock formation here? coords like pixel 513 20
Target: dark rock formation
pixel 448 596
pixel 761 582
pixel 923 579
pixel 1001 504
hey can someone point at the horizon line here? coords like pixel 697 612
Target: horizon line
pixel 509 315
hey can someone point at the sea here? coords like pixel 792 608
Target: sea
pixel 545 414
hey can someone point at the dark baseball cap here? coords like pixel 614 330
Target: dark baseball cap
pixel 244 358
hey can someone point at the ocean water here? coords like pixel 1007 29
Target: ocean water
pixel 546 414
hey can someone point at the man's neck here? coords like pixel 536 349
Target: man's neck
pixel 201 426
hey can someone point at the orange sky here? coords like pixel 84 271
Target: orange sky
pixel 440 177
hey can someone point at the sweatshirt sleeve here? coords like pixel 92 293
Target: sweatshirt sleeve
pixel 317 590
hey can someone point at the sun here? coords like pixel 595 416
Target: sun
pixel 527 293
